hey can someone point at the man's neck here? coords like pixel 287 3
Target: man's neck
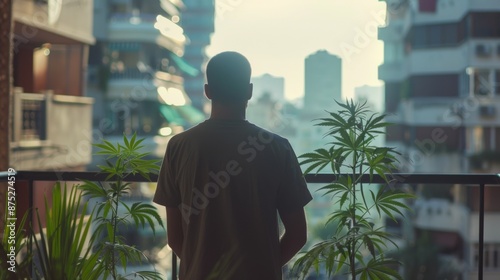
pixel 228 112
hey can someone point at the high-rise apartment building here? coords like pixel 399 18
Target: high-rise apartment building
pixel 198 23
pixel 442 74
pixel 136 71
pixel 323 82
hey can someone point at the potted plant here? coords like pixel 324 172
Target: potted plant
pixel 356 247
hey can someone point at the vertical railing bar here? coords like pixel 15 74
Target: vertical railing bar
pixel 481 232
pixel 174 266
pixel 30 218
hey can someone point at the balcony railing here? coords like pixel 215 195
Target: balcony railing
pixel 34 139
pixel 398 180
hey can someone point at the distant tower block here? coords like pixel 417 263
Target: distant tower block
pixel 323 82
pixel 272 85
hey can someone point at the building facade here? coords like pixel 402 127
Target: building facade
pixel 51 118
pixel 442 74
pixel 51 43
pixel 322 82
pixel 136 72
pixel 198 23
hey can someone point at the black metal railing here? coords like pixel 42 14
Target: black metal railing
pixel 397 180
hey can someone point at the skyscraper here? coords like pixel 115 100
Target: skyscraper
pixel 323 82
pixel 198 23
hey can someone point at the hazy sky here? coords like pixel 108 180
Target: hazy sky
pixel 277 35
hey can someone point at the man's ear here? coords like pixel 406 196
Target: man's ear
pixel 208 94
pixel 250 91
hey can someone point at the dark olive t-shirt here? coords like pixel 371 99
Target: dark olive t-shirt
pixel 230 179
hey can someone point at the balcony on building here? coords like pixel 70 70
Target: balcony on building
pixel 391 71
pixel 49 65
pixel 148 22
pixel 393 31
pixel 441 215
pixel 39 119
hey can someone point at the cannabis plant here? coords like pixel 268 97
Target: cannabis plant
pixel 357 245
pixel 111 211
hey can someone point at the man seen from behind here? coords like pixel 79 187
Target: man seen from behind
pixel 224 183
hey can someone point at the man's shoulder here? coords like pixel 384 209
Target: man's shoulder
pixel 197 129
pixel 193 133
pixel 270 137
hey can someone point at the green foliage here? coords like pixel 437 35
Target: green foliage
pixel 19 242
pixel 112 212
pixel 64 248
pixel 357 245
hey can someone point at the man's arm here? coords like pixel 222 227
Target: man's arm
pixel 295 234
pixel 175 237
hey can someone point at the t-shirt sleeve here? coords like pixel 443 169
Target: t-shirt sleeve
pixel 293 192
pixel 167 192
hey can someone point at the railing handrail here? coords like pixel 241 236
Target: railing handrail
pixel 480 180
pixel 400 178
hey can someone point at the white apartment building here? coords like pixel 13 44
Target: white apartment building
pixel 442 90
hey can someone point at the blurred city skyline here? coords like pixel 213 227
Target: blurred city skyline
pixel 277 36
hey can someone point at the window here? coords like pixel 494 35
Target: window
pixel 478 138
pixel 486 82
pixel 497 82
pixel 419 37
pixel 485 25
pixel 119 8
pixel 444 85
pixel 33 120
pixel 450 34
pixel 491 253
pixel 393 52
pixel 392 96
pixel 436 35
pixel 495 257
pixel 453 142
pixel 482 85
pixel 394 227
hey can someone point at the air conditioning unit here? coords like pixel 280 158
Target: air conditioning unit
pixel 487 111
pixel 482 90
pixel 483 50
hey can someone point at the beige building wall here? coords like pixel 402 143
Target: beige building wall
pixel 66 18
